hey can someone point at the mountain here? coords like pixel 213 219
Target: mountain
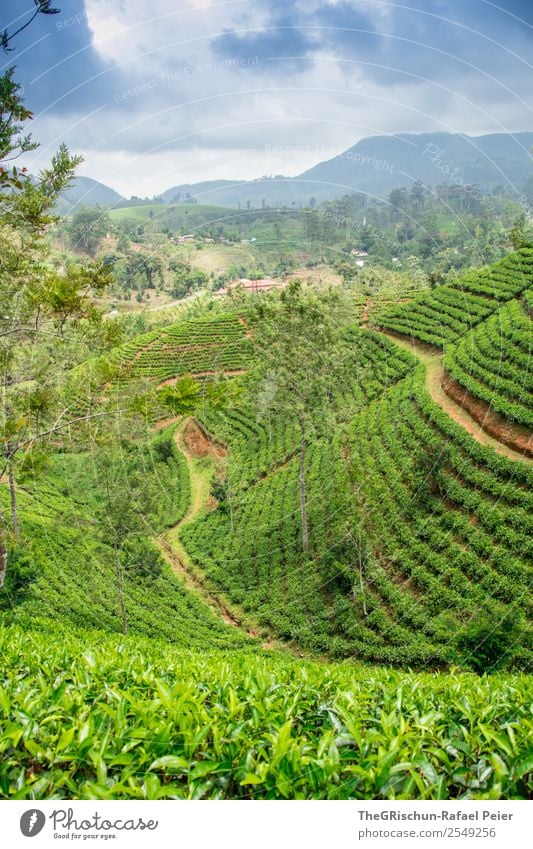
pixel 377 164
pixel 380 163
pixel 183 193
pixel 87 192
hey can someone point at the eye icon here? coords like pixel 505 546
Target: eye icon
pixel 32 822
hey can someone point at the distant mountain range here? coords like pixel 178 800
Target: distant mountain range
pixel 375 165
pixel 87 192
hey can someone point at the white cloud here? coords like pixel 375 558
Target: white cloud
pixel 169 109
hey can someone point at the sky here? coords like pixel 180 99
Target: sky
pixel 179 91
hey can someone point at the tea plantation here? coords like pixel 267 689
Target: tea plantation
pixel 166 635
pixel 493 361
pixel 449 312
pixel 92 716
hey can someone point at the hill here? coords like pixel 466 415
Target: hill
pixel 493 362
pixel 419 557
pixel 483 322
pixel 87 192
pixel 443 315
pixel 378 164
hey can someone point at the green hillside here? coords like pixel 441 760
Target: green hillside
pixel 266 445
pixel 179 214
pixel 449 312
pixel 187 347
pixel 68 573
pixel 189 538
pixel 493 362
pixel 445 527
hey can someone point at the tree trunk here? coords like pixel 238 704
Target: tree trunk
pixel 3 562
pixel 303 501
pixel 361 582
pixel 3 548
pixel 120 592
pixel 13 496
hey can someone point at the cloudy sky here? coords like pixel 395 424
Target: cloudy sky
pixel 174 91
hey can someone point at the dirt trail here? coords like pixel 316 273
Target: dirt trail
pixel 432 359
pixel 171 381
pixel 200 475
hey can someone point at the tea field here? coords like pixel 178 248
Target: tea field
pixel 68 573
pixel 449 312
pixel 88 716
pixel 388 660
pixel 493 362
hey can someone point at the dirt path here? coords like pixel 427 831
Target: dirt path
pixel 432 359
pixel 202 456
pixel 201 469
pixel 171 381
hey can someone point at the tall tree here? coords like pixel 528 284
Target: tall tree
pixel 88 227
pixel 36 302
pixel 299 366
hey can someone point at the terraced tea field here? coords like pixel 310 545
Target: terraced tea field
pixel 188 347
pixel 419 557
pixel 493 362
pixel 72 577
pixel 449 312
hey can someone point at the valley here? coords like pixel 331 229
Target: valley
pixel 418 543
pixel 266 443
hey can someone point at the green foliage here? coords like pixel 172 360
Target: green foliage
pixel 519 236
pixel 141 557
pixel 181 397
pixel 14 115
pixel 486 644
pixel 450 311
pixel 24 567
pixel 251 547
pixel 88 227
pixel 192 347
pixel 186 279
pixel 494 362
pixel 78 517
pixel 97 717
pixel 447 520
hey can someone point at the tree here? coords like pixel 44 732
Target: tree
pixel 122 520
pixel 487 644
pixel 36 302
pixel 186 279
pixel 398 200
pixel 418 194
pixel 298 366
pixel 312 227
pixel 88 227
pixel 518 235
pixel 42 7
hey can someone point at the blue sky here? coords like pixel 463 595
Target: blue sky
pixel 168 92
